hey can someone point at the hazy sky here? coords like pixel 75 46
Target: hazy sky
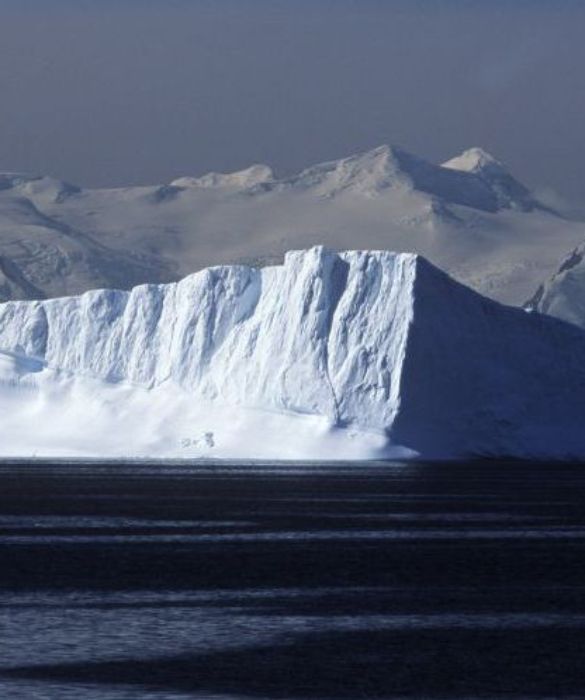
pixel 108 92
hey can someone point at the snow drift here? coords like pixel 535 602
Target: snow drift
pixel 331 355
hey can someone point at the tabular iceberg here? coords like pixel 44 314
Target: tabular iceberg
pixel 354 355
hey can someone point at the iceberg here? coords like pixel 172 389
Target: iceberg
pixel 353 355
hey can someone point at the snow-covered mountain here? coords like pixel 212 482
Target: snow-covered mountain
pixel 563 294
pixel 350 355
pixel 469 216
pixel 42 255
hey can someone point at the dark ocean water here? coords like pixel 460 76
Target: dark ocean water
pixel 427 581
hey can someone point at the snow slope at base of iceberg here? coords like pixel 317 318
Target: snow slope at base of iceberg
pixel 52 414
pixel 332 355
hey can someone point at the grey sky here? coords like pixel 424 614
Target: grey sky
pixel 109 92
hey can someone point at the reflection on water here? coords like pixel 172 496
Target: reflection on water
pixel 403 581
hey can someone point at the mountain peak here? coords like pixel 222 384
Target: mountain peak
pixel 367 173
pixel 240 179
pixel 509 192
pixel 474 160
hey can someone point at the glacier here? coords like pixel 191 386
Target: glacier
pixel 351 355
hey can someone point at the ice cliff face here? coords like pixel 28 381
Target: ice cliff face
pixel 369 341
pixel 307 337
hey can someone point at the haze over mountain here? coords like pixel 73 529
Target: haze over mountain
pixel 469 216
pixel 116 92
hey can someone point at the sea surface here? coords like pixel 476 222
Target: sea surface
pixel 152 582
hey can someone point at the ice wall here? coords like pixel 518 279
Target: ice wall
pixel 369 340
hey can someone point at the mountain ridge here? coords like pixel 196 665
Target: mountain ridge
pixel 475 220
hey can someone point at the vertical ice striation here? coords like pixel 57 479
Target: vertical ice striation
pixel 322 334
